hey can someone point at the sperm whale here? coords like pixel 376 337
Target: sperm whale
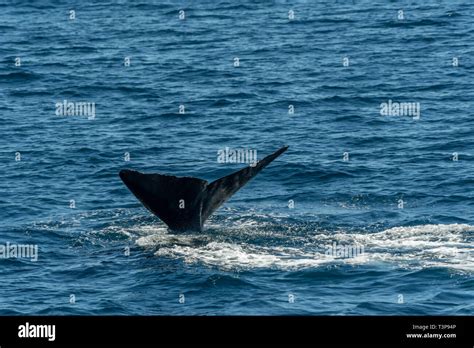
pixel 185 203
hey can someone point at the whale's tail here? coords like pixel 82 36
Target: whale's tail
pixel 184 203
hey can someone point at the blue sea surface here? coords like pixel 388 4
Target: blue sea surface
pixel 389 184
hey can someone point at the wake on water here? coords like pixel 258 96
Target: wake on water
pixel 269 242
pixel 414 247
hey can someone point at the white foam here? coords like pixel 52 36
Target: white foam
pixel 410 247
pixel 230 256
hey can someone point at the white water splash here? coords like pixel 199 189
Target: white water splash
pixel 409 247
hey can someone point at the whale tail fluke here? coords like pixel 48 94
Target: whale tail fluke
pixel 222 189
pixel 184 203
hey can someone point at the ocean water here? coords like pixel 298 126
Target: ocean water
pixel 399 194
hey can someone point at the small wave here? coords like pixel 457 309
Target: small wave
pixel 415 23
pixel 453 14
pixel 18 76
